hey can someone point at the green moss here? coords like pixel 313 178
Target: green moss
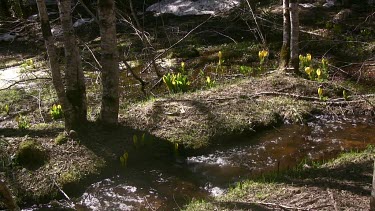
pixel 199 205
pixel 30 154
pixel 70 176
pixel 61 139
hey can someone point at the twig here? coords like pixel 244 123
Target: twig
pixel 93 55
pixel 281 206
pixel 58 187
pixel 256 23
pixel 89 11
pixel 176 43
pixel 22 81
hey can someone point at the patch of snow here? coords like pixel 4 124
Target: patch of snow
pixel 191 7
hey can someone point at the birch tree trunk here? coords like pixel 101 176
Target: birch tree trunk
pixel 109 60
pixel 54 64
pixel 285 49
pixel 74 78
pixel 294 35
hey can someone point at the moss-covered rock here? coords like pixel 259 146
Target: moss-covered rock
pixel 30 154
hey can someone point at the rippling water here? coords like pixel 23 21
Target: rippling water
pixel 168 186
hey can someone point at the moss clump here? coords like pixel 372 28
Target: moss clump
pixel 61 139
pixel 30 154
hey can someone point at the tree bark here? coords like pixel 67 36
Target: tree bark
pixel 74 78
pixel 54 64
pixel 109 60
pixel 294 35
pixel 285 49
pixel 372 199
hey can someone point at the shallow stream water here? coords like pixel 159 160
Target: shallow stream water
pixel 168 185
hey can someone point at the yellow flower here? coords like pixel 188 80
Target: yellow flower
pixel 29 62
pixel 183 65
pixel 220 54
pixel 263 54
pixel 59 107
pixel 318 72
pixel 308 56
pixel 308 70
pixel 208 79
pixel 320 91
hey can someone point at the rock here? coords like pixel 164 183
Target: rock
pixel 30 154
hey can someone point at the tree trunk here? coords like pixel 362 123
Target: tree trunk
pixel 294 35
pixel 109 60
pixel 54 64
pixel 74 78
pixel 285 49
pixel 372 199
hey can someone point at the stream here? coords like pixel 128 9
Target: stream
pixel 168 186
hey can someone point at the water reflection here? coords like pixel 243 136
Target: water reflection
pixel 168 186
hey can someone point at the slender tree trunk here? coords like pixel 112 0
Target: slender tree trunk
pixel 372 199
pixel 110 68
pixel 285 49
pixel 294 35
pixel 54 64
pixel 74 78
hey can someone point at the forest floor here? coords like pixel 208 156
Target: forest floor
pixel 240 103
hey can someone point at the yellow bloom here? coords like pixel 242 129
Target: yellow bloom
pixel 308 56
pixel 58 106
pixel 263 54
pixel 308 70
pixel 29 62
pixel 208 79
pixel 183 65
pixel 318 72
pixel 301 57
pixel 320 91
pixel 220 54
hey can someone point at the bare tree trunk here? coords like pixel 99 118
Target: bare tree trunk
pixel 74 78
pixel 54 64
pixel 294 35
pixel 285 49
pixel 372 199
pixel 110 67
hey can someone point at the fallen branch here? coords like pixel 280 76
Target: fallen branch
pixel 280 206
pixel 22 81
